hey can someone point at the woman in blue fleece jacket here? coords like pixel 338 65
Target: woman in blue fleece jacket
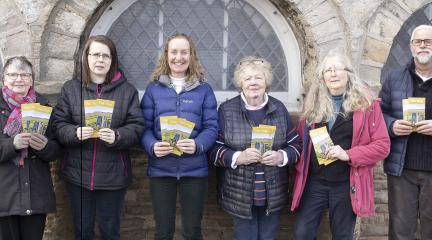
pixel 178 89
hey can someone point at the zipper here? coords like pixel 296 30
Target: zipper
pixel 99 94
pixel 178 114
pixel 93 165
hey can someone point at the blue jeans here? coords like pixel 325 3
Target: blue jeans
pixel 319 195
pixel 260 227
pixel 105 205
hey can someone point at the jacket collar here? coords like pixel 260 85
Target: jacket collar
pixel 270 106
pixel 118 80
pixel 189 84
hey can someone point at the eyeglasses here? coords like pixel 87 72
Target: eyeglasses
pixel 14 76
pixel 96 56
pixel 254 61
pixel 334 70
pixel 418 42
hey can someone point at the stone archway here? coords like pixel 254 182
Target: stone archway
pixel 69 20
pixel 60 41
pixel 382 27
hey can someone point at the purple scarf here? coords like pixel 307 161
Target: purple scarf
pixel 14 122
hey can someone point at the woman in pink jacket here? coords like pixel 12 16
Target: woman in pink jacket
pixel 340 176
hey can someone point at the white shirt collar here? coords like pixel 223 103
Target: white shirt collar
pixel 250 107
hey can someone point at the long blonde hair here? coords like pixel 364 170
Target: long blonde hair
pixel 318 104
pixel 194 71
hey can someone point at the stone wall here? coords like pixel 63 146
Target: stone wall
pixel 51 32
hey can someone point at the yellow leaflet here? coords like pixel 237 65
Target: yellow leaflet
pixel 106 103
pixel 35 117
pixel 27 113
pixel 321 141
pixel 183 130
pixel 164 126
pixel 172 135
pixel 414 110
pixel 98 114
pixel 262 137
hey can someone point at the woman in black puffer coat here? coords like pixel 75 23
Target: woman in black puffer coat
pixel 97 171
pixel 26 189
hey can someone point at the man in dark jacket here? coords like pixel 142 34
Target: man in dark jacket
pixel 409 165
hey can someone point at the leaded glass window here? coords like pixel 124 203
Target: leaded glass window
pixel 138 30
pixel 224 31
pixel 400 53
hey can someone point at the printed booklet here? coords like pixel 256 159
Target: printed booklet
pixel 98 114
pixel 321 141
pixel 174 129
pixel 35 117
pixel 262 137
pixel 414 110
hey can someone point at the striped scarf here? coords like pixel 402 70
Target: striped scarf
pixel 14 122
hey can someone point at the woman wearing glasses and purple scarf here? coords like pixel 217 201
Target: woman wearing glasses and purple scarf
pixel 97 170
pixel 26 187
pixel 253 186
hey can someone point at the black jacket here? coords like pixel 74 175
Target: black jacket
pixel 397 86
pixel 26 190
pixel 93 163
pixel 236 186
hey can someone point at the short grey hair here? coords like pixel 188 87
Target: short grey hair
pixel 257 63
pixel 19 62
pixel 420 27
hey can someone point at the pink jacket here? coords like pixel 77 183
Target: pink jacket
pixel 370 144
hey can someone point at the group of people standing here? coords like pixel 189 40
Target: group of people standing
pixel 253 187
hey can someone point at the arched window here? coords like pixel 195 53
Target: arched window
pixel 223 30
pixel 400 53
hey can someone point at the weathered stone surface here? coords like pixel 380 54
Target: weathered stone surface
pixel 321 13
pixel 84 8
pixel 383 25
pixel 61 46
pixel 30 10
pixel 68 21
pixel 17 44
pixel 376 50
pixel 58 70
pixel 370 74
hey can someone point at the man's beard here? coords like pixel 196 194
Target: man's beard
pixel 423 59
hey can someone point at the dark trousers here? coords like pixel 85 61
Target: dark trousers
pixel 319 195
pixel 22 227
pixel 260 227
pixel 104 206
pixel 410 198
pixel 192 192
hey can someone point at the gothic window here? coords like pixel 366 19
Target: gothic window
pixel 224 31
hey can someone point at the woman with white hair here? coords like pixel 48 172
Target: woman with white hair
pixel 253 186
pixel 339 101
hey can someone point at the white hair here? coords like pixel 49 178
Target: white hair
pixel 420 27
